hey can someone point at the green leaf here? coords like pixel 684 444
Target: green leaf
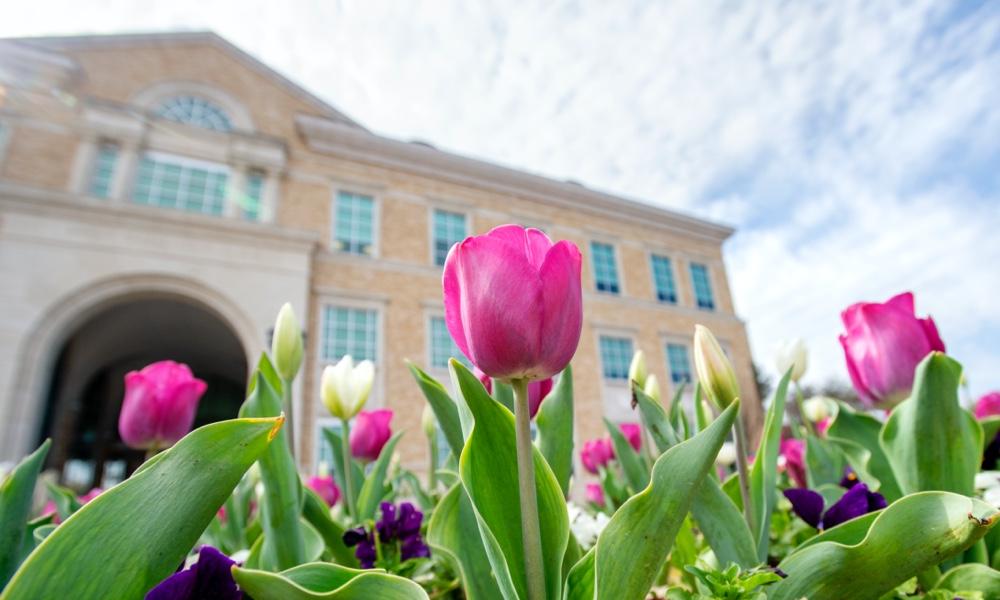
pixel 971 578
pixel 374 487
pixel 504 394
pixel 851 430
pixel 555 429
pixel 325 581
pixel 337 448
pixel 488 468
pixel 453 532
pixel 634 545
pixel 824 462
pixel 281 504
pixel 635 472
pixel 991 427
pixel 134 535
pixel 317 513
pixel 911 535
pixel 764 473
pixel 443 406
pixel 65 499
pixel 932 442
pixel 16 492
pixel 678 420
pixel 718 517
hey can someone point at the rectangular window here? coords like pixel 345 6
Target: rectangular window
pixel 183 184
pixel 663 279
pixel 350 331
pixel 104 170
pixel 354 229
pixel 605 267
pixel 702 286
pixel 616 356
pixel 449 229
pixel 678 363
pixel 250 201
pixel 442 346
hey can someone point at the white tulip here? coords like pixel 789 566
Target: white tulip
pixel 715 372
pixel 652 387
pixel 637 371
pixel 817 408
pixel 345 386
pixel 792 354
pixel 286 343
pixel 727 454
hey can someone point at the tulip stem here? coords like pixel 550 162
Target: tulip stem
pixel 743 472
pixel 800 404
pixel 432 466
pixel 345 445
pixel 530 529
pixel 286 404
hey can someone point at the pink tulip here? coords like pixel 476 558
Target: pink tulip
pixel 632 433
pixel 883 345
pixel 513 303
pixel 159 405
pixel 537 390
pixel 596 453
pixel 370 433
pixel 822 425
pixel 326 488
pixel 595 494
pixel 988 405
pixel 793 450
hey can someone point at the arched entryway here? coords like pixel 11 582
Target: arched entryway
pixel 86 384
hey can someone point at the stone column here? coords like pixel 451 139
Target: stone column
pixel 83 162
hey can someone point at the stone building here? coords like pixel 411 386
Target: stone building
pixel 162 195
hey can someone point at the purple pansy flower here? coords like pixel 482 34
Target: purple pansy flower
pixel 855 502
pixel 210 577
pixel 397 530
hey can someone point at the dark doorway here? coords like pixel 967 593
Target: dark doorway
pixel 87 385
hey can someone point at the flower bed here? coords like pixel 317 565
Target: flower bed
pixel 872 500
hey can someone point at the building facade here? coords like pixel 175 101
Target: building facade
pixel 162 195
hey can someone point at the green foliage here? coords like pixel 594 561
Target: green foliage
pixel 325 581
pixel 317 514
pixel 968 578
pixel 374 487
pixel 634 545
pixel 135 534
pixel 731 583
pixel 15 507
pixel 764 473
pixel 443 406
pixel 858 434
pixel 555 429
pixel 636 473
pixel 454 533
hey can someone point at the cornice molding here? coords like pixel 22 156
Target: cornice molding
pixel 330 137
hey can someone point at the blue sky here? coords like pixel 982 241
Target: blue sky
pixel 855 144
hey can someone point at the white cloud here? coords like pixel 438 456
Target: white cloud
pixel 855 143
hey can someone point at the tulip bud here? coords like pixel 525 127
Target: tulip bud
pixel 286 343
pixel 159 406
pixel 792 354
pixel 988 405
pixel 633 434
pixel 595 494
pixel 715 372
pixel 345 386
pixel 637 371
pixel 816 408
pixel 429 422
pixel 652 387
pixel 727 454
pixel 325 487
pixel 370 433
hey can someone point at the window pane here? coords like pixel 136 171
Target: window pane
pixel 104 169
pixel 353 231
pixel 663 278
pixel 449 229
pixel 616 356
pixel 702 286
pixel 195 111
pixel 443 347
pixel 678 363
pixel 173 182
pixel 349 331
pixel 605 267
pixel 250 200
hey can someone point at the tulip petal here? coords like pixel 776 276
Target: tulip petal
pixel 561 307
pixel 864 393
pixel 134 423
pixel 807 504
pixel 851 505
pixel 933 337
pixel 452 286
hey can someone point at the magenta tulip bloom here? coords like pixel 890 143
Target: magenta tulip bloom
pixel 595 494
pixel 632 433
pixel 883 345
pixel 537 390
pixel 370 433
pixel 596 453
pixel 513 303
pixel 326 488
pixel 988 405
pixel 159 405
pixel 794 453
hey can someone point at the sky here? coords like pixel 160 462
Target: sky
pixel 855 145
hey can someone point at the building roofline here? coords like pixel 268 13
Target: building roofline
pixel 327 136
pixel 194 36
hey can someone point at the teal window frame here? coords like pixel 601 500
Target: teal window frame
pixel 253 195
pixel 679 363
pixel 442 346
pixel 175 182
pixel 616 356
pixel 195 111
pixel 354 223
pixel 349 330
pixel 448 228
pixel 702 283
pixel 663 278
pixel 605 263
pixel 103 172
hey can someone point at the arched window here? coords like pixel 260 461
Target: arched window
pixel 196 111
